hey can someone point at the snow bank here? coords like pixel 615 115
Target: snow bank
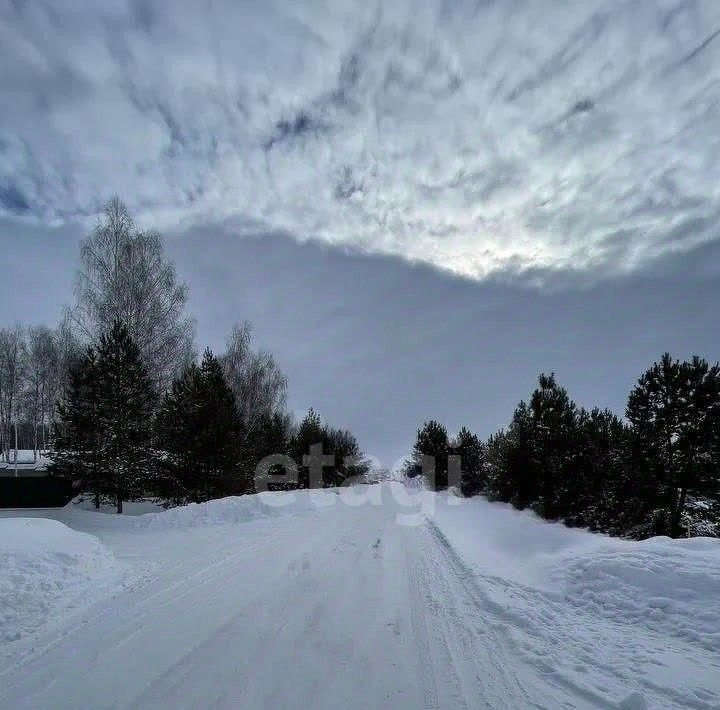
pixel 238 509
pixel 601 615
pixel 667 586
pixel 47 569
pixel 516 545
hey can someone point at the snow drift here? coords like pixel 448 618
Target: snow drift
pixel 47 569
pixel 238 509
pixel 667 586
pixel 595 613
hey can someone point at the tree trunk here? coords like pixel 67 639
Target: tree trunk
pixel 676 517
pixel 96 482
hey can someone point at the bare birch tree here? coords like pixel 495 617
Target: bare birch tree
pixel 13 353
pixel 257 382
pixel 125 276
pixel 41 382
pixel 69 352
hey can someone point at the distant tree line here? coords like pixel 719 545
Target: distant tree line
pixel 119 397
pixel 657 472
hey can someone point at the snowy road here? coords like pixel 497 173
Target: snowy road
pixel 334 608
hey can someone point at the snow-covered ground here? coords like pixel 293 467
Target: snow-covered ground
pixel 377 596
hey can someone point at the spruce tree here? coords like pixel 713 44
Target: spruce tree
pixel 178 424
pixel 309 433
pixel 126 401
pixel 76 452
pixel 270 435
pixel 198 432
pixel 221 431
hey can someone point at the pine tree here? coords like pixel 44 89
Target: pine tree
pixel 675 413
pixel 657 475
pixel 554 419
pixel 431 444
pixel 598 484
pixel 512 476
pixel 471 452
pixel 534 461
pixel 343 458
pixel 497 486
pixel 124 415
pixel 349 459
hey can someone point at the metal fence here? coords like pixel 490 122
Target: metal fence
pixel 35 491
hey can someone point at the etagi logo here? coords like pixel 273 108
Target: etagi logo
pixel 278 483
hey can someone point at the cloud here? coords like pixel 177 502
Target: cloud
pixel 478 137
pixel 12 199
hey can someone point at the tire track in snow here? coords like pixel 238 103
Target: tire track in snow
pixel 420 633
pixel 477 632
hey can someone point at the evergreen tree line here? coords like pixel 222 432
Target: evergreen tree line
pixel 123 441
pixel 655 472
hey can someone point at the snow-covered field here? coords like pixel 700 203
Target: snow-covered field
pixel 377 596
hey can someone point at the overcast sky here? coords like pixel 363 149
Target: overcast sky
pixel 420 205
